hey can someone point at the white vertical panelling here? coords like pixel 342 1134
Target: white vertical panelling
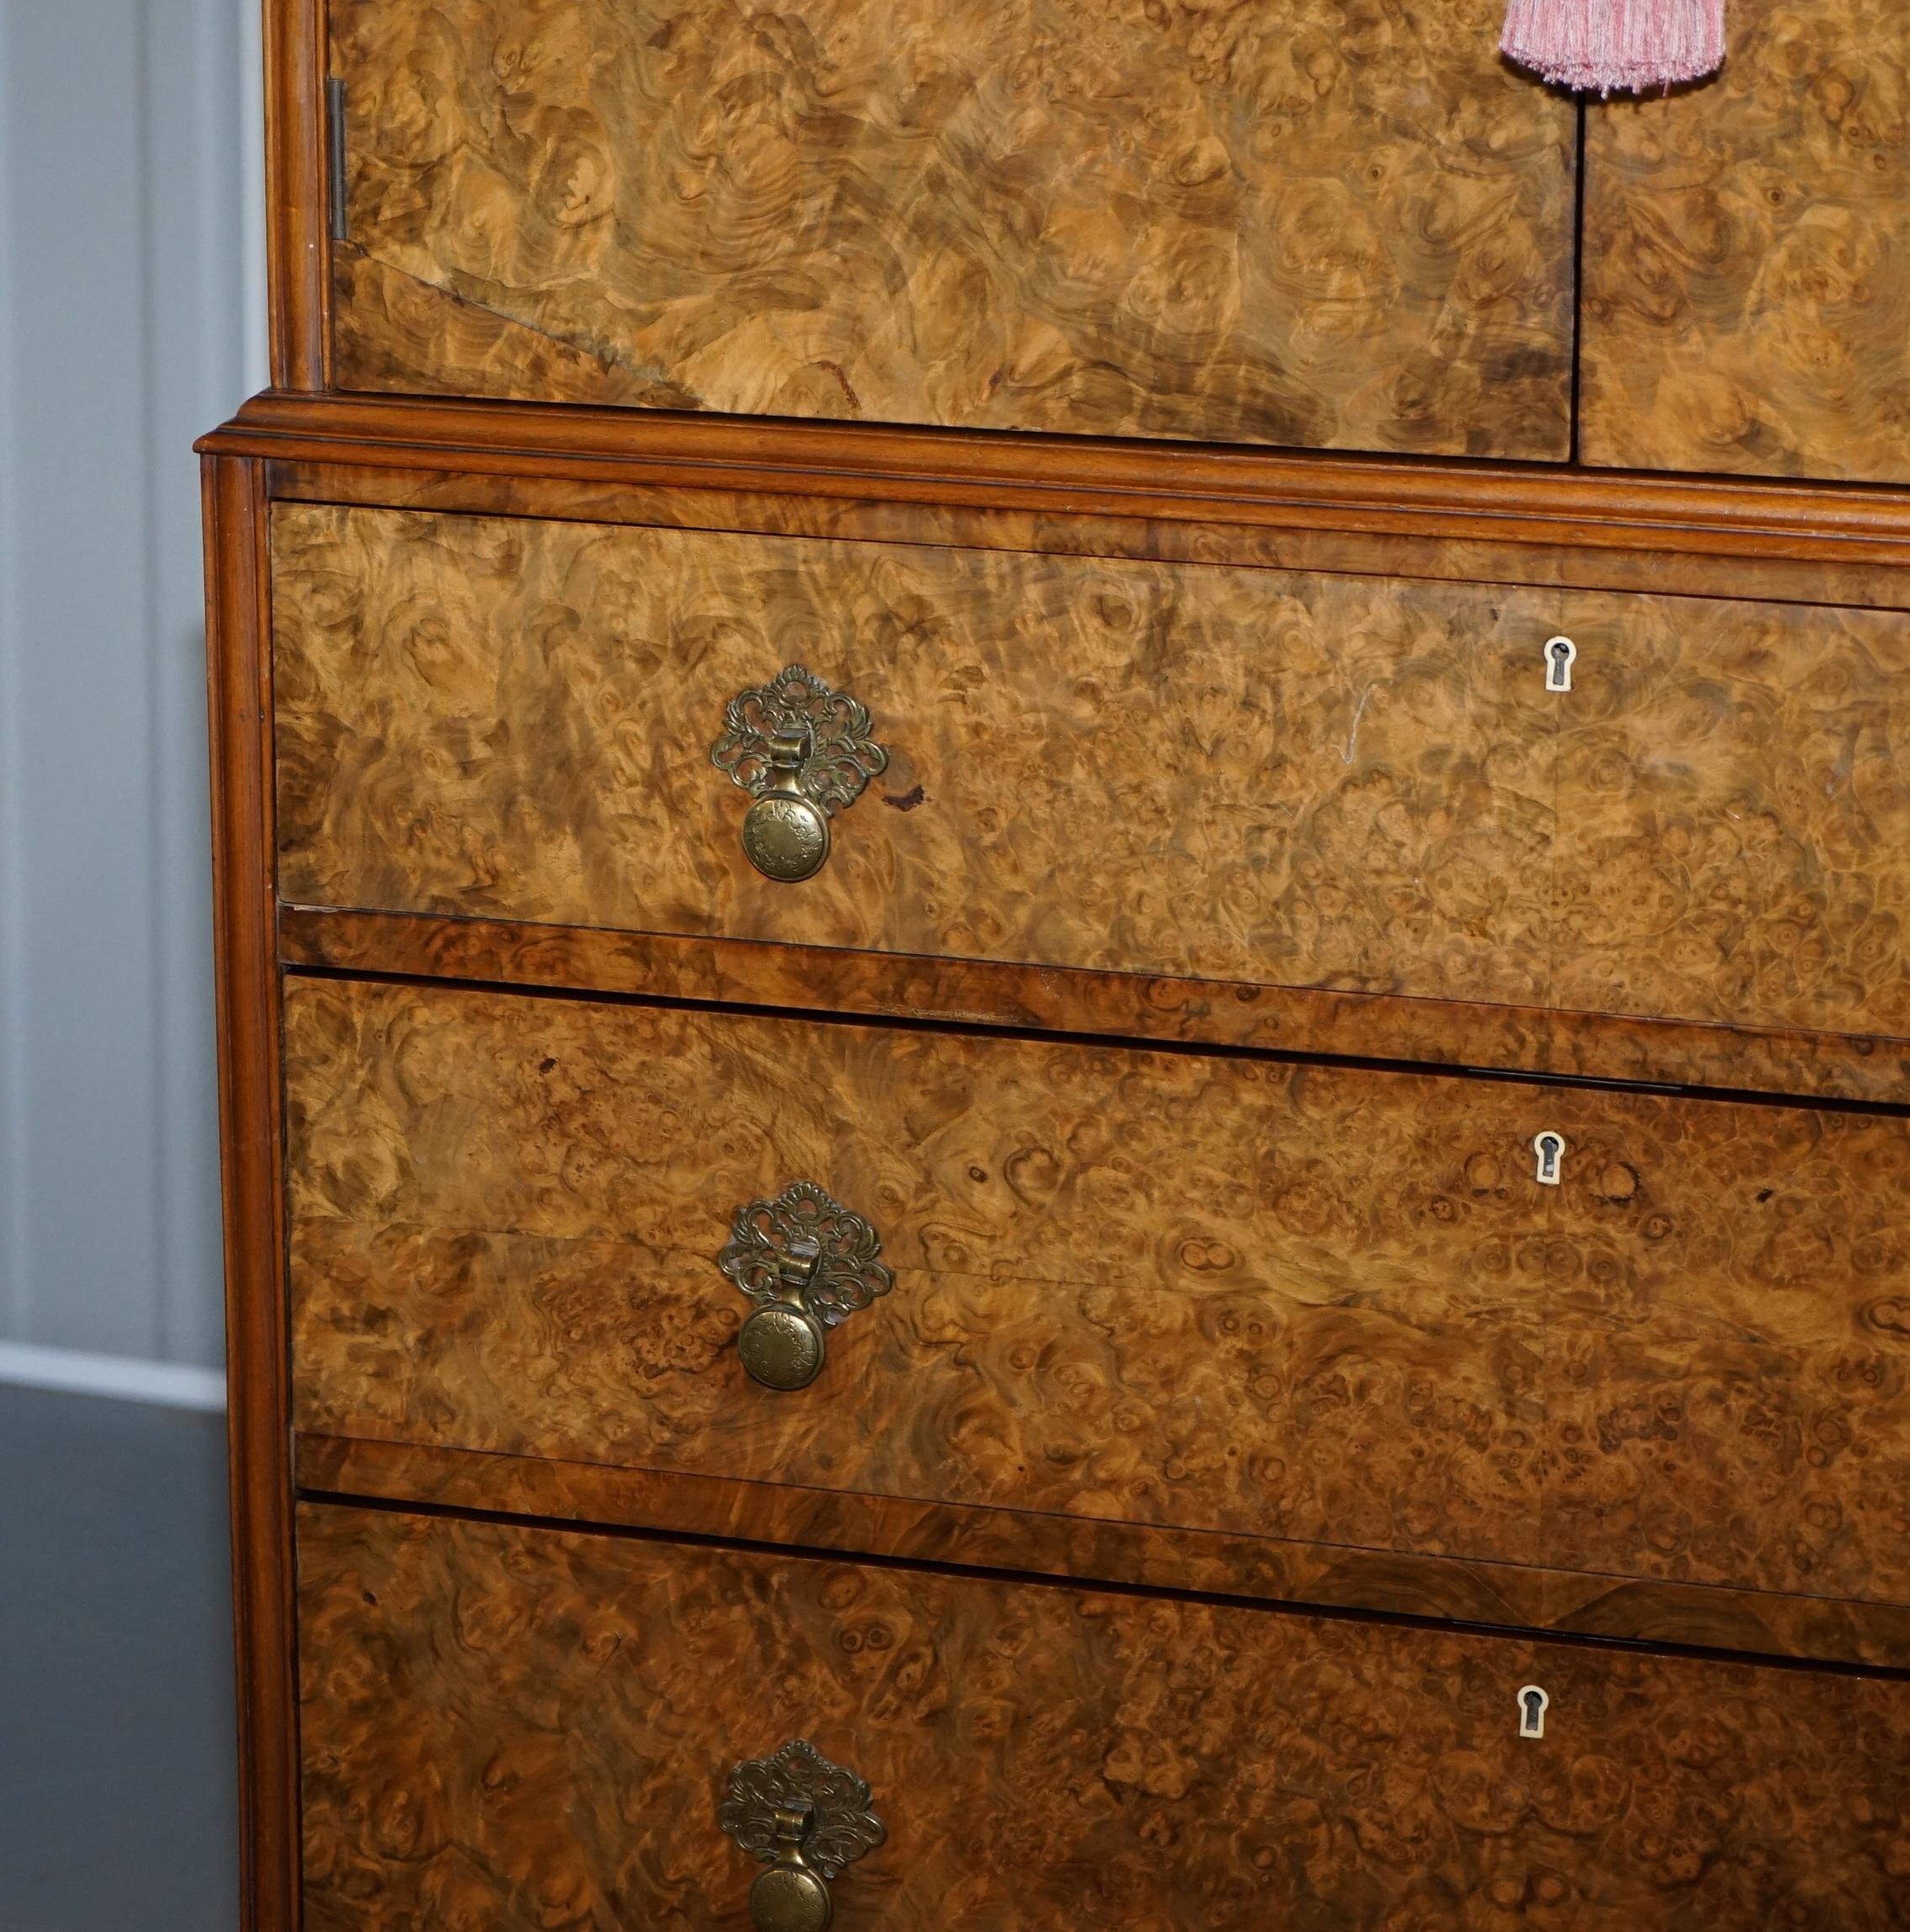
pixel 13 948
pixel 125 267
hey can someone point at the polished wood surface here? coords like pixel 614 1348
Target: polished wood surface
pixel 1531 503
pixel 1732 830
pixel 1747 255
pixel 1312 546
pixel 1204 1013
pixel 1162 1289
pixel 1266 1569
pixel 1321 225
pixel 250 1155
pixel 298 248
pixel 1665 1402
pixel 1312 781
pixel 1727 1345
pixel 1322 1304
pixel 517 1728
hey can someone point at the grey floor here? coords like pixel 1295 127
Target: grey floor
pixel 116 1807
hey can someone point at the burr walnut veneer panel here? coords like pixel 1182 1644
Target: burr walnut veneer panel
pixel 1748 256
pixel 1241 773
pixel 1256 1568
pixel 1303 780
pixel 520 1729
pixel 1325 1305
pixel 1161 1288
pixel 1332 223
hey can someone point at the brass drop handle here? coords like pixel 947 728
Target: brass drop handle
pixel 806 1261
pixel 805 1818
pixel 803 752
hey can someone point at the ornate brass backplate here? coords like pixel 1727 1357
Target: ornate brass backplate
pixel 804 752
pixel 806 1261
pixel 806 1819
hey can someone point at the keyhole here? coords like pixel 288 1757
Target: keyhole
pixel 1550 1147
pixel 1559 654
pixel 1532 1704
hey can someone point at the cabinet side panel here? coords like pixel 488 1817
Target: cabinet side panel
pixel 247 994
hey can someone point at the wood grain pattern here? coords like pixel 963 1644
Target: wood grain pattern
pixel 239 694
pixel 1746 297
pixel 1528 503
pixel 1515 1596
pixel 1727 1349
pixel 1313 780
pixel 1326 225
pixel 1732 837
pixel 1324 1304
pixel 298 250
pixel 1157 1289
pixel 1205 1013
pixel 520 1729
pixel 1291 545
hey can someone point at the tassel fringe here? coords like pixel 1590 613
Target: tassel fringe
pixel 1616 46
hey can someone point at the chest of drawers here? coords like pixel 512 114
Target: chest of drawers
pixel 1058 1090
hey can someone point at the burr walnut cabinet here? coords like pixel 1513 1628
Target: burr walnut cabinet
pixel 1064 942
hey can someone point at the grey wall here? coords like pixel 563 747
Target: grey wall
pixel 129 322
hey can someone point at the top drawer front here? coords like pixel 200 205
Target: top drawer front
pixel 1315 223
pixel 1228 773
pixel 1249 775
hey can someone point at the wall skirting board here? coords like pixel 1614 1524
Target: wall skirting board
pixel 79 1371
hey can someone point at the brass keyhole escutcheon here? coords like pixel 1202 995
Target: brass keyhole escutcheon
pixel 1534 1701
pixel 1560 654
pixel 806 1261
pixel 804 752
pixel 804 1819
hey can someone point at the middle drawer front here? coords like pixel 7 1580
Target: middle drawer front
pixel 1167 1289
pixel 516 1729
pixel 1282 779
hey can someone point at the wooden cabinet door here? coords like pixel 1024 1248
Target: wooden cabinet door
pixel 1329 223
pixel 522 1729
pixel 1747 255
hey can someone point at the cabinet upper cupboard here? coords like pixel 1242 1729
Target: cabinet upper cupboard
pixel 1342 224
pixel 1747 277
pixel 1327 224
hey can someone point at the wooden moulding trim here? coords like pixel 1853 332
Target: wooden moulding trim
pixel 298 249
pixel 1476 562
pixel 1082 1549
pixel 1825 1067
pixel 248 988
pixel 1534 503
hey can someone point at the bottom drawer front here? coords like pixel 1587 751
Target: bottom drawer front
pixel 506 1727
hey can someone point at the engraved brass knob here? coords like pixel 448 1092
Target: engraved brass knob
pixel 805 1818
pixel 803 752
pixel 806 1261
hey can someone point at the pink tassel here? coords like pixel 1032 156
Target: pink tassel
pixel 1611 46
